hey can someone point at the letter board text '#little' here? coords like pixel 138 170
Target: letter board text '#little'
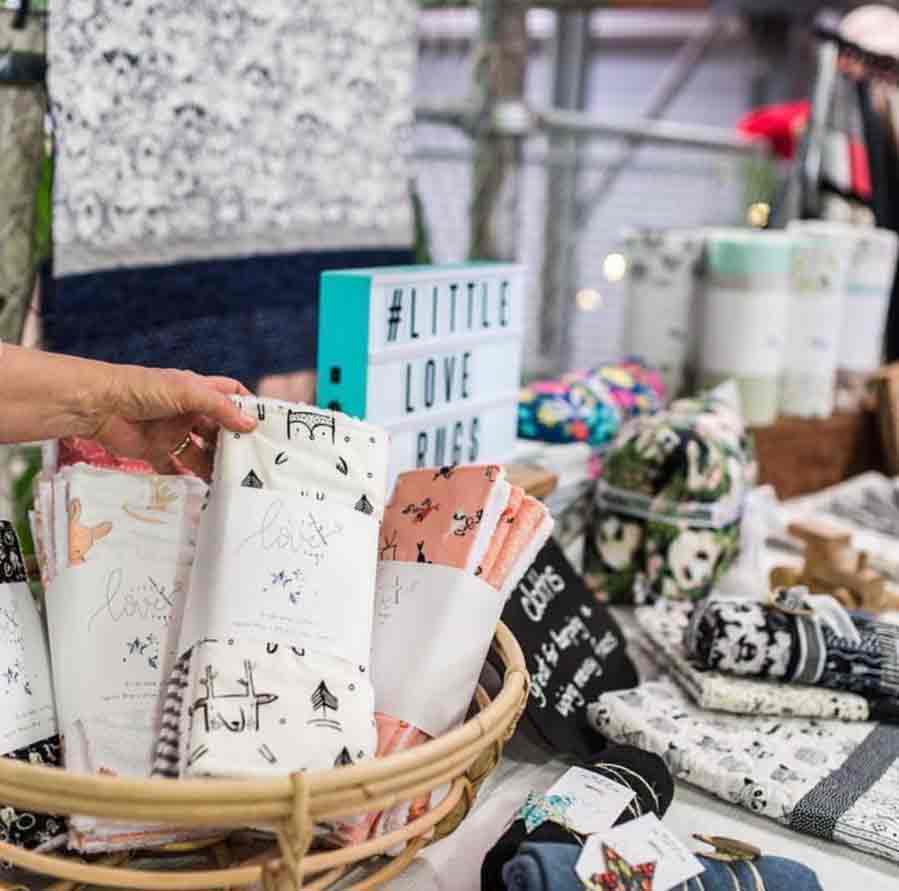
pixel 432 353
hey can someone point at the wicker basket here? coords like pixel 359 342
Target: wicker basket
pixel 462 759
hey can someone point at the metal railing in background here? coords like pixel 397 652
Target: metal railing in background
pixel 534 182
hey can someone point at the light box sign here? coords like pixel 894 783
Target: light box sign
pixel 432 353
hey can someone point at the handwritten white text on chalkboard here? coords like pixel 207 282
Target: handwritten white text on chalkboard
pixel 568 695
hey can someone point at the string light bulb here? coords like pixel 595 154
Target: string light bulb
pixel 588 299
pixel 614 267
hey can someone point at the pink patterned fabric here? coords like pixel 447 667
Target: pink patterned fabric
pixel 442 499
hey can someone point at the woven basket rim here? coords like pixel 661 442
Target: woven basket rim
pixel 271 798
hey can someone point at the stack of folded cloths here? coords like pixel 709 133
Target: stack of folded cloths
pixel 117 550
pixel 273 670
pixel 776 708
pixel 28 727
pixel 588 406
pixel 799 639
pixel 77 450
pixel 470 520
pixel 663 627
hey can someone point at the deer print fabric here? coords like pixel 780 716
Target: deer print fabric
pixel 117 551
pixel 469 518
pixel 246 706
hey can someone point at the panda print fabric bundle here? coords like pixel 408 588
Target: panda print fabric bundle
pixel 669 502
pixel 832 779
pixel 274 673
pixel 825 647
pixel 663 626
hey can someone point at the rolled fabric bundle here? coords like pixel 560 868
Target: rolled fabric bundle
pixel 661 280
pixel 634 387
pixel 798 638
pixel 669 501
pixel 744 315
pixel 557 412
pixel 815 322
pixel 273 674
pixel 550 866
pixel 643 772
pixel 469 519
pixel 663 626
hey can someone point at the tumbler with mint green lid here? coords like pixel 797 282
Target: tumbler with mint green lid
pixel 744 315
pixel 869 282
pixel 814 328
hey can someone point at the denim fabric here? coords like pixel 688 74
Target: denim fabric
pixel 548 866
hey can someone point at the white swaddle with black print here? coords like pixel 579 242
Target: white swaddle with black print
pixel 276 639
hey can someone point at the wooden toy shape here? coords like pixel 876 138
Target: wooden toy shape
pixel 833 566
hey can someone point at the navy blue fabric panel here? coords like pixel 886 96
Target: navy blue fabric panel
pixel 245 317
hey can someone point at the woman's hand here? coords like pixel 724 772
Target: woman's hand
pixel 168 418
pixel 145 413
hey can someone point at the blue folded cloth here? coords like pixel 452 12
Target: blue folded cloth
pixel 549 866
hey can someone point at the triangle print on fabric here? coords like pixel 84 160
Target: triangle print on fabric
pixel 252 481
pixel 344 759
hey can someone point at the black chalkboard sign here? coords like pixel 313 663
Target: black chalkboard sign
pixel 574 651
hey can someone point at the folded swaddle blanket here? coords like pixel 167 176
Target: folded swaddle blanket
pixel 273 675
pixel 468 519
pixel 837 780
pixel 116 552
pixel 663 626
pixel 123 549
pixel 28 729
pixel 798 638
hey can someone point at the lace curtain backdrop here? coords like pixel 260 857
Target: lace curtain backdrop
pixel 211 161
